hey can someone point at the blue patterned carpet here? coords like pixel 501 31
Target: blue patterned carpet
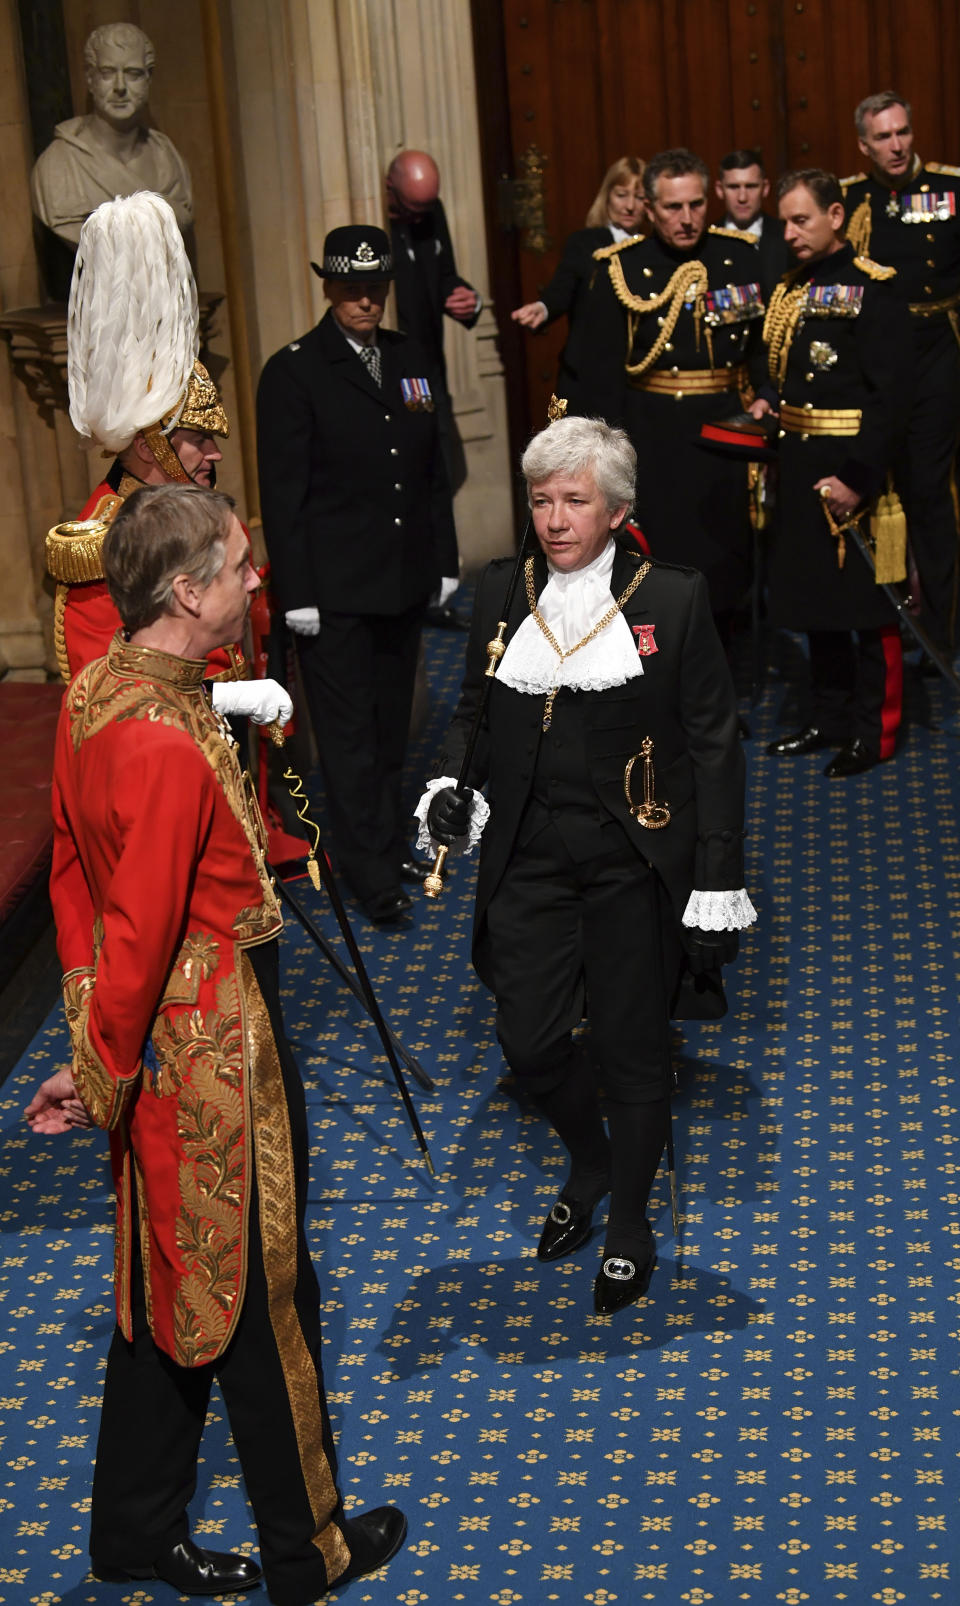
pixel 777 1422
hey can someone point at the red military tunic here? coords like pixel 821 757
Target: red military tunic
pixel 86 620
pixel 158 885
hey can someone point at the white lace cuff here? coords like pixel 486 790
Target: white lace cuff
pixel 719 911
pixel 479 815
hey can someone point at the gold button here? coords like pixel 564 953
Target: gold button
pixel 674 370
pixel 660 323
pixel 808 378
pixel 928 289
pixel 781 433
pixel 931 238
pixel 808 407
pixel 648 273
pixel 930 262
pixel 668 346
pixel 924 188
pixel 804 436
pixel 728 262
pixel 679 395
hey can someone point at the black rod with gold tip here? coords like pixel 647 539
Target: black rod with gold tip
pixel 433 885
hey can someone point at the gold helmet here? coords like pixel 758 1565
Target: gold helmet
pixel 202 410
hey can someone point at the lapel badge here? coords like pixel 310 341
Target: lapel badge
pixel 416 395
pixel 645 639
pixel 822 354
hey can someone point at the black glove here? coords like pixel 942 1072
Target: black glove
pixel 708 950
pixel 448 815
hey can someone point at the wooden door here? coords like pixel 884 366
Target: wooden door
pixel 567 86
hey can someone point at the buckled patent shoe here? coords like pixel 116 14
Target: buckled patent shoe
pixel 190 1571
pixel 853 758
pixel 566 1228
pixel 621 1281
pixel 372 1538
pixel 414 869
pixel 803 741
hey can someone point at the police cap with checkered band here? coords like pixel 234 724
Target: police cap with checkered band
pixel 355 251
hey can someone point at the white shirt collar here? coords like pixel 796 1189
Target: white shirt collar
pixel 756 227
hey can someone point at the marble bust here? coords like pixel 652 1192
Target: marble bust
pixel 109 152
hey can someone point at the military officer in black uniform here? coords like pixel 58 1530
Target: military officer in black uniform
pixel 359 527
pixel 906 213
pixel 613 667
pixel 684 305
pixel 840 364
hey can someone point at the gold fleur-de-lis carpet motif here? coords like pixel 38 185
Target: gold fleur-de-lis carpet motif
pixel 776 1422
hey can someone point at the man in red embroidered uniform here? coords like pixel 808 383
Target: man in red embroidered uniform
pixel 137 388
pixel 166 927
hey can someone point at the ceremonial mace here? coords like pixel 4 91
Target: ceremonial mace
pixel 433 885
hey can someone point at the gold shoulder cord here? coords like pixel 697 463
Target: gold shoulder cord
pixel 784 312
pixel 873 270
pixel 860 227
pixel 684 282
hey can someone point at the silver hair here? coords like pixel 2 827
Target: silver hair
pixel 880 102
pixel 117 33
pixel 581 446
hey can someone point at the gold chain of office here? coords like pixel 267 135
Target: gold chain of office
pixel 681 284
pixel 601 624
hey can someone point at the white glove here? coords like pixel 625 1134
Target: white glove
pixel 447 588
pixel 303 621
pixel 263 701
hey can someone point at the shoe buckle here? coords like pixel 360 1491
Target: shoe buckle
pixel 618 1269
pixel 561 1214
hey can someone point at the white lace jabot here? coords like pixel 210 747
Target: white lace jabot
pixel 571 604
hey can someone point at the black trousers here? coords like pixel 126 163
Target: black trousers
pixel 858 685
pixel 358 676
pixel 924 476
pixel 562 932
pixel 154 1411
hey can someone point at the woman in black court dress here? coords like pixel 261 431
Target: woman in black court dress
pixel 616 213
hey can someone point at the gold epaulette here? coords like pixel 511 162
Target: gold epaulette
pixel 77 558
pixel 874 270
pixel 735 234
pixel 604 251
pixel 941 167
pixel 852 178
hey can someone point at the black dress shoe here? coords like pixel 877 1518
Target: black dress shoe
pixel 621 1281
pixel 390 909
pixel 804 741
pixel 372 1538
pixel 566 1228
pixel 190 1571
pixel 414 869
pixel 853 758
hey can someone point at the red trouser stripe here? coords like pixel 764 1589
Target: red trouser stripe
pixel 892 709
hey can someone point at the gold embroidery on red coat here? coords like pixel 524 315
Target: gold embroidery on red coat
pixel 200 1057
pixel 278 1232
pixel 197 961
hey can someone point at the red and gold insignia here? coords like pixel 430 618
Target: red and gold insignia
pixel 645 639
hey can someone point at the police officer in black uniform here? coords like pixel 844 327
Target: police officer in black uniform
pixel 685 304
pixel 840 365
pixel 906 213
pixel 359 526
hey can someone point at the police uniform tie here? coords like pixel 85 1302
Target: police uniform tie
pixel 370 357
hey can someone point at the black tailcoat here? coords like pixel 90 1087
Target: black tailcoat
pixel 691 504
pixel 684 701
pixel 838 361
pixel 356 504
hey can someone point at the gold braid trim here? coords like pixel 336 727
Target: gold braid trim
pixel 860 226
pixel 682 283
pixel 942 167
pixel 784 312
pixel 873 270
pixel 59 632
pixel 604 251
pixel 735 234
pixel 852 178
